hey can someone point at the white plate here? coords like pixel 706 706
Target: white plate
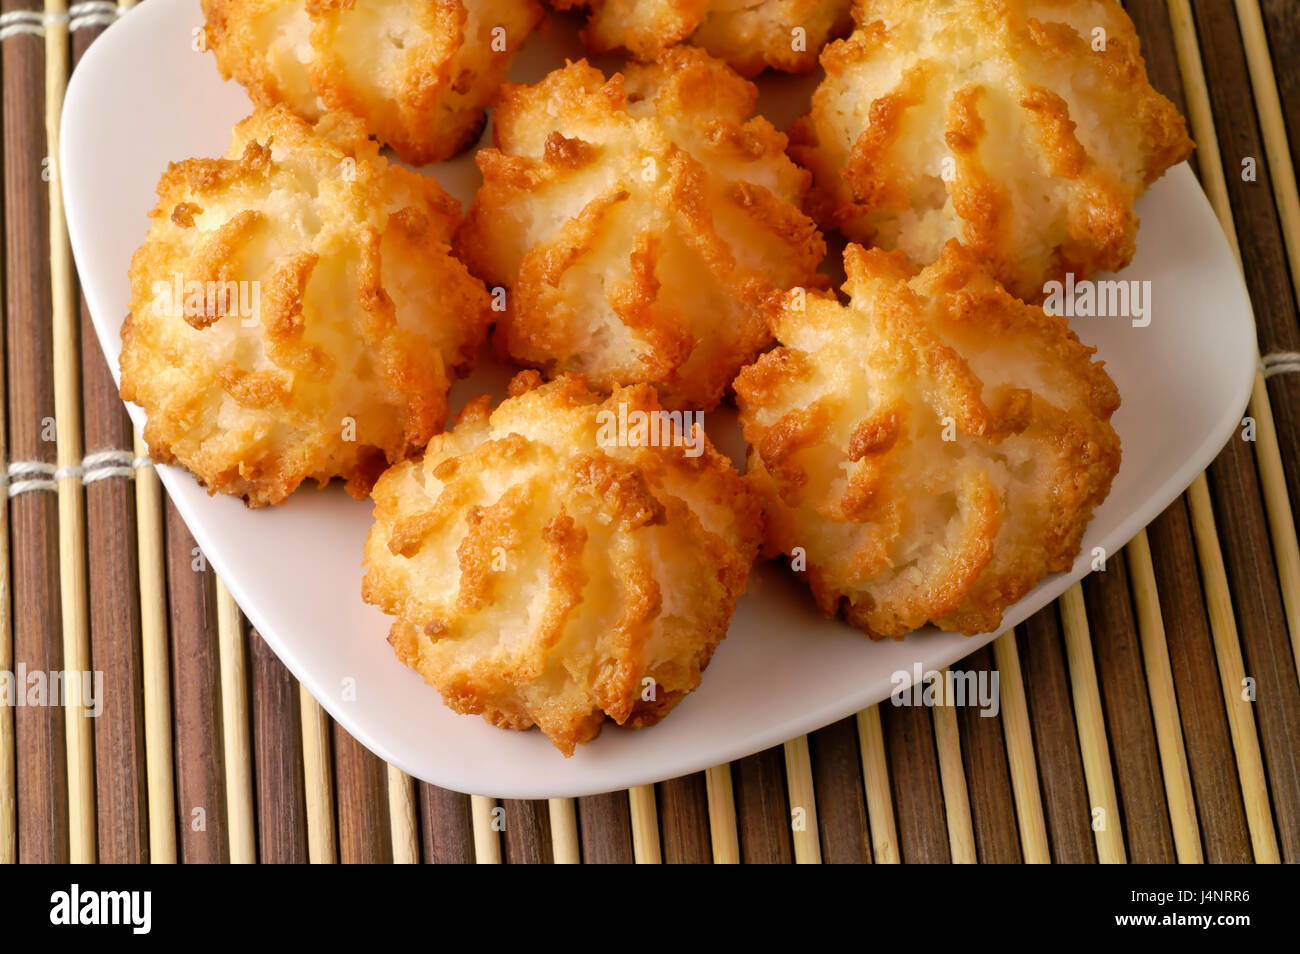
pixel 142 97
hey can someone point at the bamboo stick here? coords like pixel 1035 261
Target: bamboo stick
pixel 8 774
pixel 401 817
pixel 1263 82
pixel 8 767
pixel 564 831
pixel 1223 624
pixel 956 800
pixel 1227 650
pixel 487 841
pixel 645 825
pixel 156 663
pixel 67 416
pixel 318 781
pixel 875 781
pixel 235 736
pixel 1164 703
pixel 1020 752
pixel 722 815
pixel 803 795
pixel 279 798
pixel 1093 744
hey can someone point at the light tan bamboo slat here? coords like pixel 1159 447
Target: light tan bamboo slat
pixel 723 834
pixel 952 775
pixel 487 841
pixel 1227 649
pixel 8 773
pixel 1093 743
pixel 155 652
pixel 645 825
pixel 156 663
pixel 318 781
pixel 1020 752
pixel 799 783
pixel 1263 82
pixel 8 766
pixel 875 784
pixel 67 416
pixel 401 817
pixel 565 848
pixel 236 746
pixel 1164 702
pixel 1250 766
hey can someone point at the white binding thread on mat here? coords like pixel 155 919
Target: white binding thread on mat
pixel 34 23
pixel 32 475
pixel 24 476
pixel 1280 362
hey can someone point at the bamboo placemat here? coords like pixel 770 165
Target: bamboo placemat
pixel 1152 714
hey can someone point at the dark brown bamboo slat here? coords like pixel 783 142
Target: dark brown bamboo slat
pixel 196 699
pixel 361 787
pixel 605 826
pixel 684 820
pixel 528 832
pixel 1148 834
pixel 1056 741
pixel 277 754
pixel 1243 524
pixel 114 583
pixel 841 801
pixel 446 829
pixel 1266 651
pixel 988 777
pixel 33 521
pixel 1219 809
pixel 914 780
pixel 1264 255
pixel 762 808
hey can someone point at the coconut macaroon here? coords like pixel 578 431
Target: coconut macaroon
pixel 551 566
pixel 296 312
pixel 1025 130
pixel 420 73
pixel 750 35
pixel 642 224
pixel 930 451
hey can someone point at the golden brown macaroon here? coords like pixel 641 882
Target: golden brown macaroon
pixel 1024 130
pixel 549 567
pixel 750 35
pixel 642 223
pixel 930 451
pixel 296 312
pixel 420 73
